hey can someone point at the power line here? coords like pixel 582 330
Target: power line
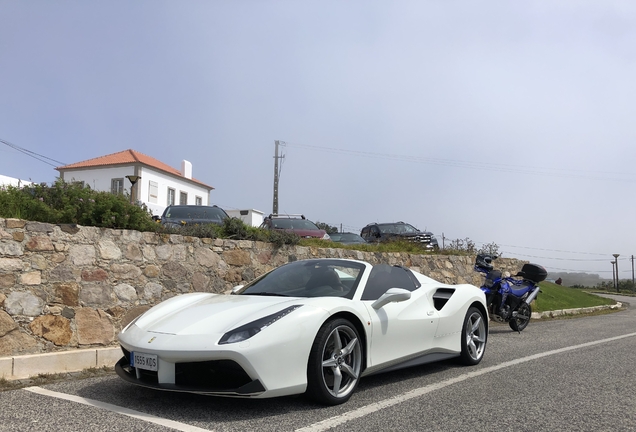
pixel 578 271
pixel 553 172
pixel 32 154
pixel 559 259
pixel 552 250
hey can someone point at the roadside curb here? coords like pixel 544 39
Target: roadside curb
pixel 26 366
pixel 577 311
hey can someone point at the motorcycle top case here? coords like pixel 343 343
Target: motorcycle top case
pixel 533 272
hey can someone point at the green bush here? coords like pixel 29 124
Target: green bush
pixel 235 229
pixel 64 203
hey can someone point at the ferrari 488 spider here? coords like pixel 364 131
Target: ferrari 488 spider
pixel 313 326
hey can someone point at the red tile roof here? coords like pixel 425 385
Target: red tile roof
pixel 127 157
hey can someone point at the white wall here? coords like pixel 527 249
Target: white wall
pixel 10 181
pixel 164 181
pixel 253 217
pixel 100 179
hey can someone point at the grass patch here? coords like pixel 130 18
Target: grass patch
pixel 393 246
pixel 557 297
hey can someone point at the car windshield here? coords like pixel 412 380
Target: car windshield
pixel 310 278
pixel 397 229
pixel 196 212
pixel 298 224
pixel 346 237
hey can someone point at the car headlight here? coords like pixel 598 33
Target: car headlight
pixel 326 237
pixel 248 330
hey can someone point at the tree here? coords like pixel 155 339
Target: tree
pixel 490 249
pixel 461 245
pixel 330 229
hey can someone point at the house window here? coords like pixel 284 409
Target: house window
pixel 183 198
pixel 153 192
pixel 198 200
pixel 171 195
pixel 117 185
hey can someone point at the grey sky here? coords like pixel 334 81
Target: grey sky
pixel 502 121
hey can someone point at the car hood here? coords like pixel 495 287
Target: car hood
pixel 209 313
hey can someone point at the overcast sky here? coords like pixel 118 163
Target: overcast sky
pixel 502 121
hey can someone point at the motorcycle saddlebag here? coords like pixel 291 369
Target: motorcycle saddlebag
pixel 533 272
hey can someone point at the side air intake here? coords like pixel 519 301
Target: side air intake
pixel 441 296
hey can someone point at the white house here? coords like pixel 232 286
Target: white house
pixel 147 180
pixel 10 181
pixel 249 217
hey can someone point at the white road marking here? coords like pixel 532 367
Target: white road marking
pixel 374 407
pixel 119 410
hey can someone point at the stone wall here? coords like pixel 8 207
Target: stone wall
pixel 66 286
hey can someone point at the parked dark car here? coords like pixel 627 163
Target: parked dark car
pixel 385 232
pixel 176 216
pixel 296 224
pixel 347 238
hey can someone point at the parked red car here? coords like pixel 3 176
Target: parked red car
pixel 296 224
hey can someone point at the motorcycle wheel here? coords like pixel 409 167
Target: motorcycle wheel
pixel 518 324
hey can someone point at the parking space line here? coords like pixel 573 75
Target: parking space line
pixel 119 410
pixel 374 407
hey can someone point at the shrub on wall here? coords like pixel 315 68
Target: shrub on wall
pixel 235 229
pixel 63 203
pixel 74 202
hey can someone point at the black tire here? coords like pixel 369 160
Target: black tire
pixel 474 337
pixel 335 362
pixel 518 324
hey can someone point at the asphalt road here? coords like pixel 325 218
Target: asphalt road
pixel 566 375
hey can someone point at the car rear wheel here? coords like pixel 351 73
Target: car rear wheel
pixel 333 370
pixel 474 337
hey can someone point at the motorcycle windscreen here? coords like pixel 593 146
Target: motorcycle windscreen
pixel 491 278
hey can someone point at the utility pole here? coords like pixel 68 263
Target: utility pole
pixel 633 286
pixel 617 279
pixel 276 175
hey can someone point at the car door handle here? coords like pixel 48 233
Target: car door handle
pixel 429 313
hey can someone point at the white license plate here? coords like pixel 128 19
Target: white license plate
pixel 143 361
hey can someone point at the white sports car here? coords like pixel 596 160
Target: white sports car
pixel 313 326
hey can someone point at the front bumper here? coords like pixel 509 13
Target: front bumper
pixel 219 378
pixel 270 364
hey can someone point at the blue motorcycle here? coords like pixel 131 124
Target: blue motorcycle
pixel 509 299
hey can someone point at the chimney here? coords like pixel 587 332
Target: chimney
pixel 186 169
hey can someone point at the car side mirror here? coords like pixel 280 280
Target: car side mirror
pixel 237 289
pixel 393 295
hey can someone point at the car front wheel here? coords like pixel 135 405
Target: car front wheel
pixel 333 370
pixel 474 337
